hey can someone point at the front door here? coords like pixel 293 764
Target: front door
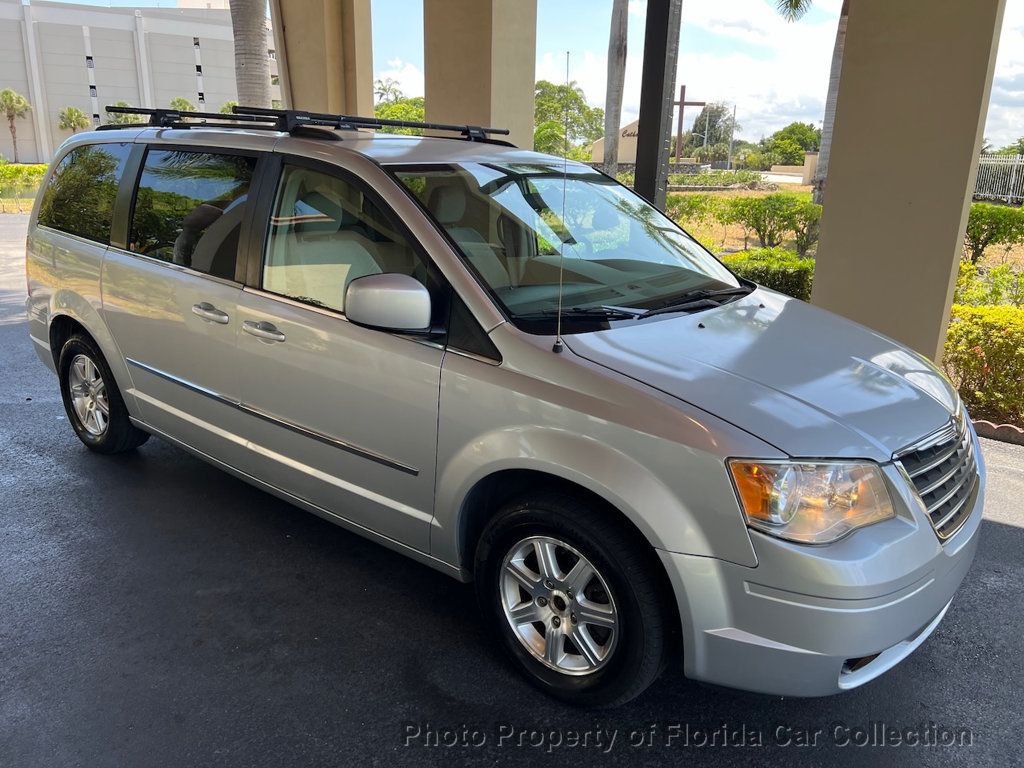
pixel 340 416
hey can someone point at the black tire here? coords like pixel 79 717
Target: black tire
pixel 625 563
pixel 119 434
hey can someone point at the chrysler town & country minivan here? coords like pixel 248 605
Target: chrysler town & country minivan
pixel 515 370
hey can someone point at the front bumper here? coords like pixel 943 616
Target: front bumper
pixel 813 621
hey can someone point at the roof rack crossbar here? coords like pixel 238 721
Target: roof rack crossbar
pixel 166 118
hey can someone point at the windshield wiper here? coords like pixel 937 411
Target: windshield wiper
pixel 585 313
pixel 698 300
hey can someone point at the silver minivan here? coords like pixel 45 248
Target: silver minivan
pixel 514 370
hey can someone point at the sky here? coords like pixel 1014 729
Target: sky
pixel 736 51
pixel 740 51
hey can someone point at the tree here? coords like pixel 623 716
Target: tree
pixel 386 90
pixel 13 106
pixel 616 82
pixel 549 137
pixel 72 119
pixel 412 109
pixel 228 107
pixel 568 104
pixel 181 104
pixel 717 122
pixel 805 135
pixel 117 118
pixel 1017 148
pixel 252 61
pixel 989 224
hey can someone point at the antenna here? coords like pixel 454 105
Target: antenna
pixel 557 347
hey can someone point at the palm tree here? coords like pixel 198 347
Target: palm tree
pixel 72 119
pixel 616 81
pixel 119 118
pixel 252 62
pixel 13 105
pixel 793 10
pixel 386 90
pixel 181 104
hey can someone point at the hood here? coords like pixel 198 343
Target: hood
pixel 809 382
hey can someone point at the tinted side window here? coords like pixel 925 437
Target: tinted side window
pixel 189 209
pixel 324 233
pixel 79 197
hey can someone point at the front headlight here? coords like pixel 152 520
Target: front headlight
pixel 813 502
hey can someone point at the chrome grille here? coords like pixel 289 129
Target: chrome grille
pixel 945 474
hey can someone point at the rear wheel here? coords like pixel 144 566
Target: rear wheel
pixel 93 403
pixel 574 598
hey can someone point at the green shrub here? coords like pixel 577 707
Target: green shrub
pixel 19 181
pixel 989 224
pixel 775 268
pixel 714 178
pixel 695 209
pixel 806 225
pixel 984 357
pixel 769 217
pixel 976 286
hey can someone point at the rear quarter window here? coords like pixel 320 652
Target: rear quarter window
pixel 80 194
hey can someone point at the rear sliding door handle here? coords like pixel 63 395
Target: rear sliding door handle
pixel 263 330
pixel 207 311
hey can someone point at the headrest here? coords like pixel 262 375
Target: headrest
pixel 318 213
pixel 448 204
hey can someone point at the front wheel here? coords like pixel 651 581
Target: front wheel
pixel 574 598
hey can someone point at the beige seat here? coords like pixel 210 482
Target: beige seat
pixel 448 206
pixel 313 257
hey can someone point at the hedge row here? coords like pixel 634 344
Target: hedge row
pixel 775 268
pixel 20 180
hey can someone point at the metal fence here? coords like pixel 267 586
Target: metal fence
pixel 1000 177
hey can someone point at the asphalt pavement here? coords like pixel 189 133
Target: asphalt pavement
pixel 155 611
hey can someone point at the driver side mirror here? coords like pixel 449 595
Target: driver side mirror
pixel 390 302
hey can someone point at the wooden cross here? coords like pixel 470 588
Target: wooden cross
pixel 679 125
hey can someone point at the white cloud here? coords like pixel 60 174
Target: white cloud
pixel 1006 109
pixel 408 76
pixel 784 78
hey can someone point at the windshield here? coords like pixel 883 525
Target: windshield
pixel 526 229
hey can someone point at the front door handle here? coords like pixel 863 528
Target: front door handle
pixel 263 330
pixel 207 311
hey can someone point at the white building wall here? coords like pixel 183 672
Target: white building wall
pixel 14 74
pixel 134 52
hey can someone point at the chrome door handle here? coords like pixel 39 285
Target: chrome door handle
pixel 263 330
pixel 207 311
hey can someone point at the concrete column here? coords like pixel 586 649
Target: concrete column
pixel 40 111
pixel 480 60
pixel 913 96
pixel 324 54
pixel 142 62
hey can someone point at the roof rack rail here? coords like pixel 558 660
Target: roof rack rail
pixel 293 121
pixel 290 118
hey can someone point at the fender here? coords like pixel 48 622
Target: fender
pixel 68 303
pixel 610 474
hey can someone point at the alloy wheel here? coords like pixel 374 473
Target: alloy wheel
pixel 88 395
pixel 558 605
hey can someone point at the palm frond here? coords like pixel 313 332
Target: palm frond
pixel 793 10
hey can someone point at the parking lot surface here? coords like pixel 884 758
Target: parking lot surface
pixel 156 612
